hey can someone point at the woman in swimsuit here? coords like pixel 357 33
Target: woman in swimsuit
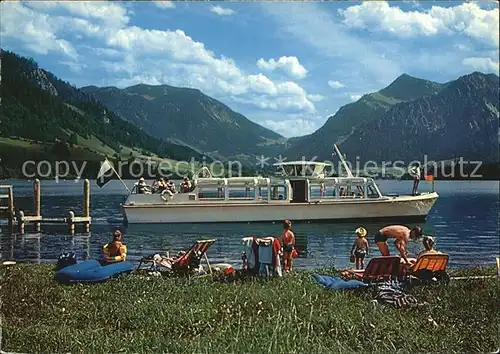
pixel 402 236
pixel 288 241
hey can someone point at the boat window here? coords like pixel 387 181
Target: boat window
pixel 372 192
pixel 211 193
pixel 279 192
pixel 351 191
pixel 263 193
pixel 242 193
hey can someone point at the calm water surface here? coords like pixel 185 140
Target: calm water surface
pixel 464 221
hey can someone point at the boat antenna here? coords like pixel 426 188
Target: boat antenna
pixel 342 160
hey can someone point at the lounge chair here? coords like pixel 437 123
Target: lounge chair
pixel 186 261
pixel 430 266
pixel 378 269
pixel 192 258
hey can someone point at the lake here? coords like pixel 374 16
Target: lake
pixel 464 222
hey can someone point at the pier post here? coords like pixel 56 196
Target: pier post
pixel 20 221
pixel 247 192
pixel 36 202
pixel 11 208
pixel 71 223
pixel 86 203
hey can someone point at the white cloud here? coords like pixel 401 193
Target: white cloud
pixel 466 18
pixel 164 4
pixel 335 84
pixel 74 66
pixel 316 97
pixel 36 31
pixel 290 65
pixel 355 97
pixel 133 54
pixel 311 24
pixel 109 13
pixel 222 11
pixel 485 65
pixel 291 127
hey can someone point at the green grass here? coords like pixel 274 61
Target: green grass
pixel 285 315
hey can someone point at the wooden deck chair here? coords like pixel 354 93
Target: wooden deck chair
pixel 378 269
pixel 431 265
pixel 185 261
pixel 198 250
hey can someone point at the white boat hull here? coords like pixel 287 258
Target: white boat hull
pixel 160 212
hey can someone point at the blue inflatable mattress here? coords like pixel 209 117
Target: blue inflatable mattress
pixel 337 283
pixel 92 271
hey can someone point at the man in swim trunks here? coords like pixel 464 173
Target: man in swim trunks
pixel 402 236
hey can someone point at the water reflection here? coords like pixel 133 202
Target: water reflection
pixel 464 221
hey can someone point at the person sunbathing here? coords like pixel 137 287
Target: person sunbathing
pixel 429 244
pixel 116 248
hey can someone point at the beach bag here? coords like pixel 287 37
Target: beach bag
pixel 294 253
pixel 352 258
pixel 65 260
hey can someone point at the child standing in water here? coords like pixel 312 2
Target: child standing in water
pixel 288 241
pixel 360 248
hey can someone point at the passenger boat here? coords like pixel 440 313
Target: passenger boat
pixel 302 193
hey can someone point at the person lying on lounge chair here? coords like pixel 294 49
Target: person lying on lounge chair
pixel 429 244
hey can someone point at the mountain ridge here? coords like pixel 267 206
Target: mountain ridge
pixel 189 116
pixel 460 121
pixel 370 106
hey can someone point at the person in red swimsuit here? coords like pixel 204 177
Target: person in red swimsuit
pixel 288 241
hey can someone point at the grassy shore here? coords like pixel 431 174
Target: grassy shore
pixel 293 314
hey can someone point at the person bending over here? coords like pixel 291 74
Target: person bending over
pixel 401 235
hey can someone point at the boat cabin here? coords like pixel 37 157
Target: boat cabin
pixel 299 182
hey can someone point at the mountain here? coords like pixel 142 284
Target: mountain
pixel 187 116
pixel 461 120
pixel 43 117
pixel 369 107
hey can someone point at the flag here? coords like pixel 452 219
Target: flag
pixel 105 173
pixel 429 178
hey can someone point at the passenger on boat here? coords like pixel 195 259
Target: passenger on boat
pixel 185 185
pixel 415 173
pixel 402 236
pixel 142 187
pixel 288 248
pixel 360 247
pixel 170 185
pixel 157 185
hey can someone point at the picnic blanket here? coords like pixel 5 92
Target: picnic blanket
pixel 387 293
pixel 392 294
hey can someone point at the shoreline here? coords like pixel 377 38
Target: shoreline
pixel 293 314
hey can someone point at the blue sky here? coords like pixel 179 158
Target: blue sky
pixel 287 66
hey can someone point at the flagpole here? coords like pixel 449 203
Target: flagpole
pixel 117 175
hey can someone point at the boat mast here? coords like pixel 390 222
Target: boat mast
pixel 341 157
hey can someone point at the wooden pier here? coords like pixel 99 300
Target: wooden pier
pixel 7 204
pixel 8 211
